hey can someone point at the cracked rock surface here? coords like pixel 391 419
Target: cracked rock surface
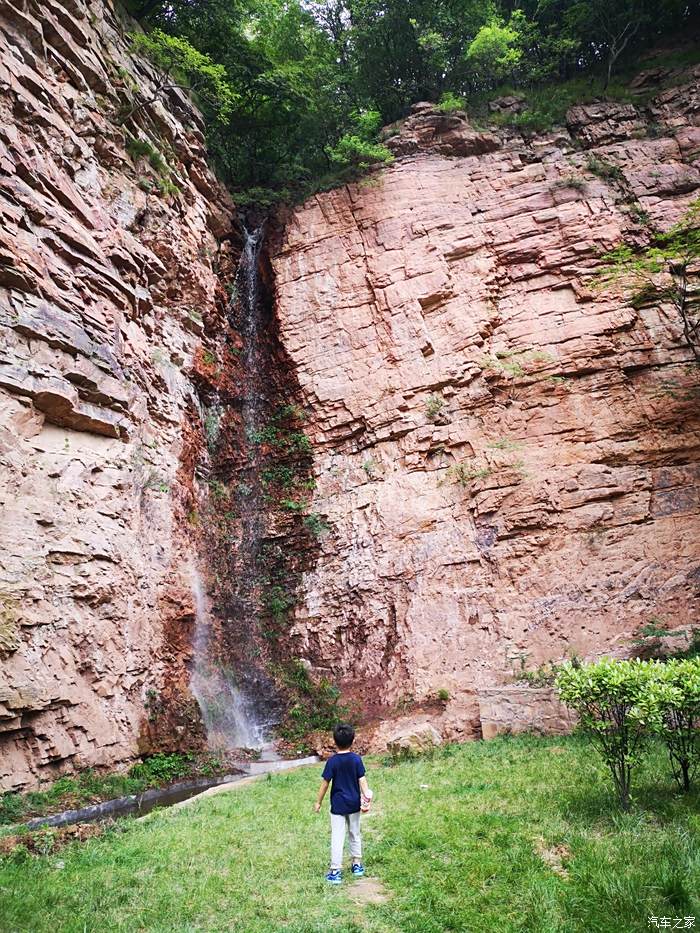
pixel 103 284
pixel 507 455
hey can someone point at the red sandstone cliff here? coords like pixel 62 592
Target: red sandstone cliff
pixel 508 457
pixel 104 283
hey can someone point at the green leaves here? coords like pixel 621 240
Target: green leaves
pixel 660 272
pixel 282 82
pixel 622 703
pixel 494 50
pixel 186 66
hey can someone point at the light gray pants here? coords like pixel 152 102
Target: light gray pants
pixel 339 824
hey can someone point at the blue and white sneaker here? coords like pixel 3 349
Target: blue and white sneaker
pixel 358 869
pixel 334 876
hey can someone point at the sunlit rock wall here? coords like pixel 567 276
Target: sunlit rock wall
pixel 508 456
pixel 104 282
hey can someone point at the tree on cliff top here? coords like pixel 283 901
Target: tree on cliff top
pixel 180 65
pixel 299 70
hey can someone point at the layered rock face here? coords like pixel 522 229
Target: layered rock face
pixel 106 271
pixel 507 454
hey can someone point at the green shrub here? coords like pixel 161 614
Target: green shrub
pixel 316 524
pixel 678 696
pixel 434 406
pixel 162 769
pixel 572 181
pixel 648 641
pixel 603 169
pixel 166 187
pixel 494 50
pixel 293 505
pixel 299 442
pixel 138 148
pixel 543 676
pixel 282 475
pixel 617 709
pixel 277 601
pixel 464 475
pixel 157 162
pixel 662 272
pixel 12 808
pixel 181 62
pixel 357 155
pixel 315 705
pixel 450 102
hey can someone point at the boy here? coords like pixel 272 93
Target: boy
pixel 345 773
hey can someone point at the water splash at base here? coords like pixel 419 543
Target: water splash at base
pixel 228 715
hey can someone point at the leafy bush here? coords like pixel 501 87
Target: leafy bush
pixel 162 768
pixel 356 154
pixel 662 272
pixel 316 524
pixel 616 708
pixel 678 696
pixel 545 675
pixel 464 474
pixel 649 641
pixel 494 52
pixel 137 148
pixel 315 705
pixel 182 65
pixel 434 406
pixel 12 808
pixel 604 169
pixel 451 102
pixel 572 181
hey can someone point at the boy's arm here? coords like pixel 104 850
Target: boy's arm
pixel 364 786
pixel 321 794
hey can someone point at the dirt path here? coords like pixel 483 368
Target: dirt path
pixel 367 891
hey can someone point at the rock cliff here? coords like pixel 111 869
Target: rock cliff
pixel 507 454
pixel 504 458
pixel 109 243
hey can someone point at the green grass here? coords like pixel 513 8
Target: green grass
pixel 546 106
pixel 90 787
pixel 455 840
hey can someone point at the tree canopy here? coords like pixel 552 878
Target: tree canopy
pixel 295 90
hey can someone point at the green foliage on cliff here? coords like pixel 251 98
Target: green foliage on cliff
pixel 181 65
pixel 660 273
pixel 295 90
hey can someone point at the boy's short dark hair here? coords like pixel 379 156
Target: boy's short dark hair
pixel 343 735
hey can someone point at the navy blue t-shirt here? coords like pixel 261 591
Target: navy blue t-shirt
pixel 344 772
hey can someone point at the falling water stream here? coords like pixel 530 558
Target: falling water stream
pixel 228 714
pixel 230 694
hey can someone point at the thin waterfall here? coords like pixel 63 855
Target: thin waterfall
pixel 227 679
pixel 245 310
pixel 229 719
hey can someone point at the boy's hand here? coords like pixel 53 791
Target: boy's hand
pixel 317 807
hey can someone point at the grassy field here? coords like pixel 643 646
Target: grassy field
pixel 89 787
pixel 509 835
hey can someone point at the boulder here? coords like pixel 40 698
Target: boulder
pixel 417 741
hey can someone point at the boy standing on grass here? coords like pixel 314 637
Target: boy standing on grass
pixel 345 774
